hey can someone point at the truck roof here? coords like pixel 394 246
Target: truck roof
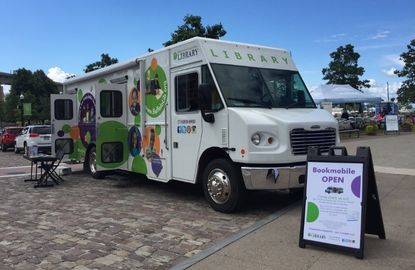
pixel 134 61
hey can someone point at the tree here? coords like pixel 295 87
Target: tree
pixel 106 60
pixel 406 93
pixel 193 27
pixel 36 88
pixel 344 69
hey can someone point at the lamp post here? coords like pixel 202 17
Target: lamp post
pixel 21 108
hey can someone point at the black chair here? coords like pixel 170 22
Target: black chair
pixel 50 168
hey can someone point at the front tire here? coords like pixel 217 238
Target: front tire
pixel 222 185
pixel 92 165
pixel 16 150
pixel 3 148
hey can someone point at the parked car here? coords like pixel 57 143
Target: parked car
pixel 8 137
pixel 39 135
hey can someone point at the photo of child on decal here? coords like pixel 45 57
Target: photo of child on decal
pixel 134 139
pixel 134 102
pixel 153 85
pixel 150 148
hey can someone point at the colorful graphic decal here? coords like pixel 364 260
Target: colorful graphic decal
pixel 134 99
pixel 156 89
pixel 86 118
pixel 151 148
pixel 186 126
pixel 112 131
pixel 134 141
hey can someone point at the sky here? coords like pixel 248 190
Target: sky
pixel 62 37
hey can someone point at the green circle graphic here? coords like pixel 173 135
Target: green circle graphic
pixel 80 94
pixel 112 132
pixel 312 212
pixel 66 128
pixel 155 101
pixel 139 165
pixel 158 130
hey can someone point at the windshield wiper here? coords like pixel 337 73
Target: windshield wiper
pixel 252 102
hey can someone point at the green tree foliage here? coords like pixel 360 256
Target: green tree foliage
pixel 193 27
pixel 36 88
pixel 344 69
pixel 406 93
pixel 106 60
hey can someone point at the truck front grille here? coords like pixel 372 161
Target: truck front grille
pixel 301 139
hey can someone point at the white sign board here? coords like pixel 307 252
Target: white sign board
pixel 391 123
pixel 333 212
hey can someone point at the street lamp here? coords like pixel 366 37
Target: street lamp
pixel 21 108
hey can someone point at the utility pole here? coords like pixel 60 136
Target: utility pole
pixel 387 89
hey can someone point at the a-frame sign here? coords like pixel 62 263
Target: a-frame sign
pixel 341 201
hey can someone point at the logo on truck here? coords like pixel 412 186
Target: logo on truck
pixel 156 89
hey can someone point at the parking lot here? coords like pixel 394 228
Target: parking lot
pixel 117 223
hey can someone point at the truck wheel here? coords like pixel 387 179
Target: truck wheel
pixel 222 185
pixel 3 148
pixel 16 150
pixel 92 165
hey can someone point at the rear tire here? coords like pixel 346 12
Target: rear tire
pixel 3 148
pixel 223 186
pixel 91 164
pixel 16 150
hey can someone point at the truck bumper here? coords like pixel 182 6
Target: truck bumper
pixel 273 178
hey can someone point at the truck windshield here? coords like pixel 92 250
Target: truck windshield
pixel 259 87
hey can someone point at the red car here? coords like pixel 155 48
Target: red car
pixel 8 137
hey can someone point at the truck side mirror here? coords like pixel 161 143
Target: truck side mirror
pixel 205 102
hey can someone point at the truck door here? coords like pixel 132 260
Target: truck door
pixel 111 126
pixel 64 123
pixel 186 128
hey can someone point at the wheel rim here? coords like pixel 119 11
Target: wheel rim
pixel 93 162
pixel 219 186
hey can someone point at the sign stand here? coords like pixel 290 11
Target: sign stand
pixel 391 124
pixel 341 201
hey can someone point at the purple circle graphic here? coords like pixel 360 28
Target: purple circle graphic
pixel 356 186
pixel 86 118
pixel 156 165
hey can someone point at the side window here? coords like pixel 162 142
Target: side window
pixel 186 92
pixel 63 109
pixel 207 79
pixel 111 103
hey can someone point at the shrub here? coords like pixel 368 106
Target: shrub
pixel 371 129
pixel 407 125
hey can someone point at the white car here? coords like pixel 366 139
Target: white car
pixel 39 135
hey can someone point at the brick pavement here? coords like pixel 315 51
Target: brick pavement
pixel 116 223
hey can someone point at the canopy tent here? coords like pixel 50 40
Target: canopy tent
pixel 341 93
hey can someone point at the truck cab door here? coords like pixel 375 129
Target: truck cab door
pixel 111 126
pixel 64 123
pixel 186 124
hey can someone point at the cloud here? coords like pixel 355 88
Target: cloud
pixel 6 89
pixel 389 72
pixel 332 38
pixel 380 35
pixel 382 90
pixel 394 59
pixel 57 74
pixel 377 46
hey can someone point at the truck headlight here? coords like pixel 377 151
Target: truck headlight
pixel 256 139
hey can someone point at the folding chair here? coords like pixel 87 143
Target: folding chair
pixel 51 167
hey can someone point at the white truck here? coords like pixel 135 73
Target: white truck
pixel 231 116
